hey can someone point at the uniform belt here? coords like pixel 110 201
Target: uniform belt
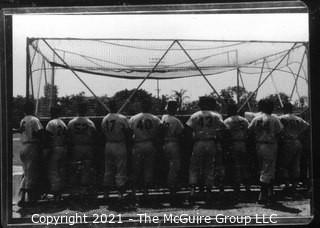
pixel 115 141
pixel 171 140
pixel 206 139
pixel 238 140
pixel 265 142
pixel 143 140
pixel 30 142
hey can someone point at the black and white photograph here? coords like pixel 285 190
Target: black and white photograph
pixel 162 115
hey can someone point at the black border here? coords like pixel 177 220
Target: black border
pixel 6 69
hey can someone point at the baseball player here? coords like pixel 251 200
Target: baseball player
pixel 291 146
pixel 57 131
pixel 81 135
pixel 265 130
pixel 145 127
pixel 172 131
pixel 237 127
pixel 204 124
pixel 31 130
pixel 115 128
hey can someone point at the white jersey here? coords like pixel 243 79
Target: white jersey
pixel 266 128
pixel 293 126
pixel 238 127
pixel 29 126
pixel 173 127
pixel 81 131
pixel 145 126
pixel 58 131
pixel 114 127
pixel 205 124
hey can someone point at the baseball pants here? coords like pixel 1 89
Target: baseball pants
pixel 267 158
pixel 289 159
pixel 57 168
pixel 115 164
pixel 30 157
pixel 172 153
pixel 143 158
pixel 202 163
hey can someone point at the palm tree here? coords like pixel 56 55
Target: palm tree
pixel 180 97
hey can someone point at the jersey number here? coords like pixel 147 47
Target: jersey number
pixel 206 121
pixel 110 125
pixel 144 124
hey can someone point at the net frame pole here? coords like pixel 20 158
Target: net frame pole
pixel 64 62
pixel 27 69
pixel 276 88
pixel 260 77
pixel 38 92
pixel 293 75
pixel 298 73
pixel 45 72
pixel 263 81
pixel 146 77
pixel 197 67
pixel 238 89
pixel 241 79
pixel 52 86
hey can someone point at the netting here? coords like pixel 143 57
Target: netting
pixel 258 63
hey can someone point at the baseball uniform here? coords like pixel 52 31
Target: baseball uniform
pixel 30 154
pixel 266 128
pixel 291 147
pixel 173 129
pixel 205 125
pixel 238 126
pixel 57 131
pixel 114 127
pixel 145 128
pixel 81 133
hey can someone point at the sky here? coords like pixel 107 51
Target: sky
pixel 266 27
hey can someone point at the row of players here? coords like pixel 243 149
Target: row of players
pixel 211 136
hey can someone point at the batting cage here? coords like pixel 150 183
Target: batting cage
pixel 254 65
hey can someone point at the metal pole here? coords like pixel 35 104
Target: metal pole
pixel 145 78
pixel 293 75
pixel 260 77
pixel 295 82
pixel 238 97
pixel 38 93
pixel 45 72
pixel 187 54
pixel 249 106
pixel 27 69
pixel 158 90
pixel 263 81
pixel 62 60
pixel 276 88
pixel 51 87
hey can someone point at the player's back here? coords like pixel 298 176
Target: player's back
pixel 238 127
pixel 145 126
pixel 172 127
pixel 81 131
pixel 114 127
pixel 293 126
pixel 57 130
pixel 29 126
pixel 266 128
pixel 205 124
